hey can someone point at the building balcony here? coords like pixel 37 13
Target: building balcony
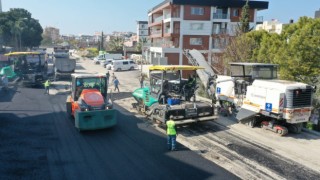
pixel 155 33
pixel 165 44
pixel 171 15
pixel 259 20
pixel 158 19
pixel 221 16
pixel 220 31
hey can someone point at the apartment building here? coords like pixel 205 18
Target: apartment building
pixel 52 32
pixel 142 30
pixel 176 25
pixel 317 14
pixel 273 26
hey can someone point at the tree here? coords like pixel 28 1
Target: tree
pixel 238 50
pixel 140 44
pixel 18 28
pixel 299 55
pixel 245 18
pixel 102 41
pixel 116 44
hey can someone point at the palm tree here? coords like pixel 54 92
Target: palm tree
pixel 116 44
pixel 142 42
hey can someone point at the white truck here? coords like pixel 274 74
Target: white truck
pixel 103 57
pixel 63 67
pixel 61 52
pixel 259 98
pixel 256 95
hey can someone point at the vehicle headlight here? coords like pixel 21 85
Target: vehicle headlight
pixel 83 106
pixel 109 106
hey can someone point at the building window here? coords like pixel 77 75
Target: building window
pixel 196 26
pixel 197 11
pixel 142 26
pixel 236 12
pixel 195 41
pixel 141 32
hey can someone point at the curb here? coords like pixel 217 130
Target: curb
pixel 311 131
pixel 316 133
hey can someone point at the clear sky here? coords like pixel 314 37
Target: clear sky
pixel 89 16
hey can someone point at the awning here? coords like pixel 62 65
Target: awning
pixel 245 114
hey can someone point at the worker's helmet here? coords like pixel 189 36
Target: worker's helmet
pixel 171 117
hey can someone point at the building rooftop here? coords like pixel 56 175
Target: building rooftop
pixel 220 3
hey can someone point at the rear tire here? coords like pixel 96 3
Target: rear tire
pixel 252 123
pixel 119 69
pixel 131 68
pixel 295 128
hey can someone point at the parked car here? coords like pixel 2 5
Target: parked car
pixel 98 59
pixel 106 62
pixel 103 57
pixel 119 65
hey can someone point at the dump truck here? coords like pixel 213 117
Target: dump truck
pixel 63 67
pixel 30 67
pixel 89 102
pixel 168 93
pixel 61 52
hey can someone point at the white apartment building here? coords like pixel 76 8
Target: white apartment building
pixel 273 26
pixel 142 30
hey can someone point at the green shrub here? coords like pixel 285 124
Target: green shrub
pixel 92 52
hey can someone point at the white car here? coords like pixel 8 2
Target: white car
pixel 97 60
pixel 106 62
pixel 120 65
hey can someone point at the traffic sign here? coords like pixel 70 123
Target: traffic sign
pixel 268 107
pixel 218 90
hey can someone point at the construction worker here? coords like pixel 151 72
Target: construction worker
pixel 189 88
pixel 191 81
pixel 107 76
pixel 116 84
pixel 47 86
pixel 141 79
pixel 172 134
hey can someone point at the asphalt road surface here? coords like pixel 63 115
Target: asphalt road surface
pixel 39 141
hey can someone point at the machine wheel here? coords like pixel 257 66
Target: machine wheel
pixel 252 123
pixel 295 128
pixel 119 69
pixel 282 131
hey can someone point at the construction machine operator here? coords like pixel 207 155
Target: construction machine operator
pixel 189 87
pixel 80 87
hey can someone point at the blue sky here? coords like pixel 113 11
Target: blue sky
pixel 89 16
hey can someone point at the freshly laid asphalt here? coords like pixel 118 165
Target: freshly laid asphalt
pixel 39 141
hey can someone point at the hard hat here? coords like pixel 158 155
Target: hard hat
pixel 171 116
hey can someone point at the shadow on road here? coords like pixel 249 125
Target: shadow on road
pixel 38 146
pixel 7 94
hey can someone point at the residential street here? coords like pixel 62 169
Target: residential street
pixel 247 152
pixel 39 141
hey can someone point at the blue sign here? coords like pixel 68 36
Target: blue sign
pixel 218 90
pixel 268 107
